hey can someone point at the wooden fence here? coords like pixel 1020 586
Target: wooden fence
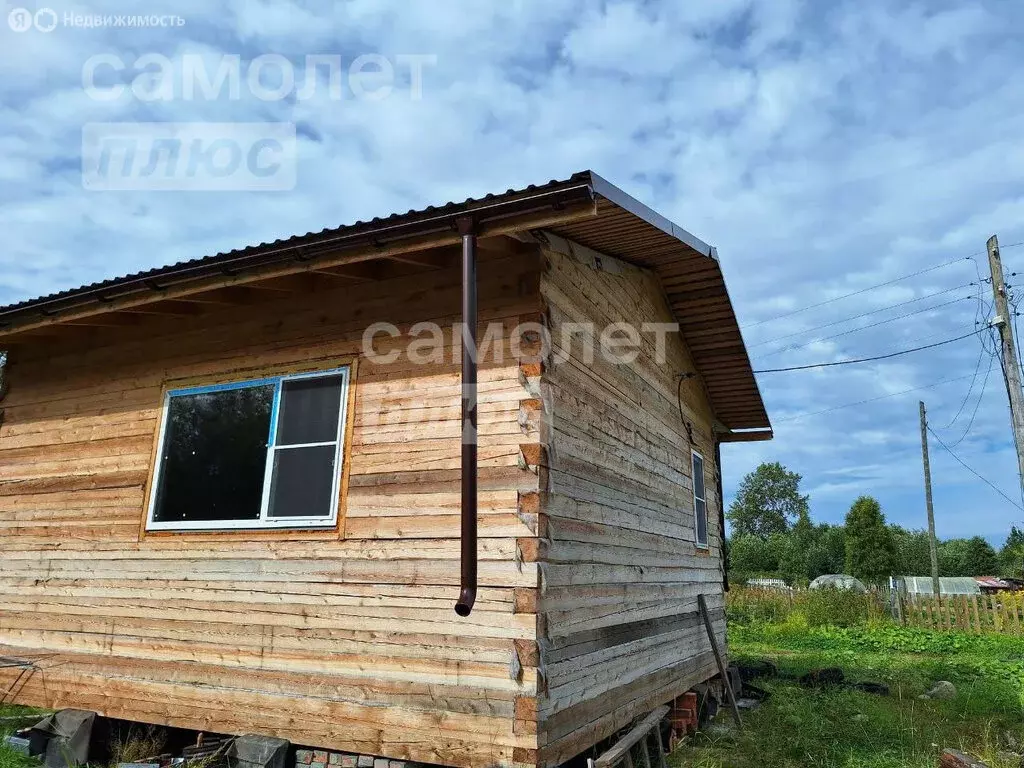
pixel 1003 612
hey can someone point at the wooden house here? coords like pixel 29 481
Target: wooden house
pixel 244 493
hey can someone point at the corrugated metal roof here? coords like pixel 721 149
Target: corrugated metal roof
pixel 617 225
pixel 950 585
pixel 992 582
pixel 235 256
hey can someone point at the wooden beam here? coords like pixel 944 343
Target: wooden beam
pixel 631 739
pixel 231 296
pixel 112 320
pixel 349 255
pixel 751 436
pixel 365 272
pixel 294 283
pixel 506 245
pixel 171 307
pixel 722 671
pixel 433 258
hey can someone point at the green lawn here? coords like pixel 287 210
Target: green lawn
pixel 841 727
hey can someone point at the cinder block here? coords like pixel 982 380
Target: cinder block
pixel 365 761
pixel 396 763
pixel 348 761
pixel 315 764
pixel 303 756
pixel 255 751
pixel 17 744
pixel 320 756
pixel 380 762
pixel 334 758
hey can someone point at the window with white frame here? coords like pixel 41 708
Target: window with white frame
pixel 700 500
pixel 264 453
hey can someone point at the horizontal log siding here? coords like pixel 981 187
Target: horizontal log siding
pixel 346 640
pixel 620 632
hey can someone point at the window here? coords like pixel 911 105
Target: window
pixel 700 500
pixel 265 453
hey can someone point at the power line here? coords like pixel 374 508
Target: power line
pixel 961 462
pixel 864 327
pixel 866 359
pixel 863 314
pixel 862 290
pixel 970 389
pixel 977 404
pixel 970 257
pixel 870 400
pixel 869 359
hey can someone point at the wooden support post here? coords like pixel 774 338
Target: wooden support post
pixel 659 747
pixel 621 750
pixel 702 604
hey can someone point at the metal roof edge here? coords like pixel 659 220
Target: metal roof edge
pixel 626 201
pixel 606 189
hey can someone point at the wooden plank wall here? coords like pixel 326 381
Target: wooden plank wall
pixel 344 639
pixel 620 629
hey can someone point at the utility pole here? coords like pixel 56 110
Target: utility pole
pixel 1008 351
pixel 933 551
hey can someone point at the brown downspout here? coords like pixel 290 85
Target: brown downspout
pixel 467 594
pixel 721 512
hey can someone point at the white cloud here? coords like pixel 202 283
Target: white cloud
pixel 823 148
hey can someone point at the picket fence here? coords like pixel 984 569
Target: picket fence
pixel 1002 612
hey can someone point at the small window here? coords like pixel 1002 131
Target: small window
pixel 253 454
pixel 700 501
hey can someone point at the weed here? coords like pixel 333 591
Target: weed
pixel 842 728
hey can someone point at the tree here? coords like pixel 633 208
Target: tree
pixel 912 555
pixel 953 557
pixel 869 546
pixel 768 501
pixel 827 551
pixel 969 557
pixel 1011 556
pixel 751 556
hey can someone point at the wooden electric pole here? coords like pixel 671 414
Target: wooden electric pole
pixel 933 551
pixel 1008 351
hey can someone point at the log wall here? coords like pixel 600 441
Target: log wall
pixel 346 639
pixel 343 639
pixel 620 631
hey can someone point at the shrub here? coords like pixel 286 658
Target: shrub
pixel 836 607
pixel 745 605
pixel 815 608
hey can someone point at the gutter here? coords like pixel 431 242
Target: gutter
pixel 490 218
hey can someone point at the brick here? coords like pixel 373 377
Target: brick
pixel 335 758
pixel 365 761
pixel 303 756
pixel 348 761
pixel 320 756
pixel 317 764
pixel 950 758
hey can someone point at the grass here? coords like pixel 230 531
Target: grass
pixel 8 757
pixel 841 728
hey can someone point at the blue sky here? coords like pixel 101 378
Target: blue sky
pixel 822 148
